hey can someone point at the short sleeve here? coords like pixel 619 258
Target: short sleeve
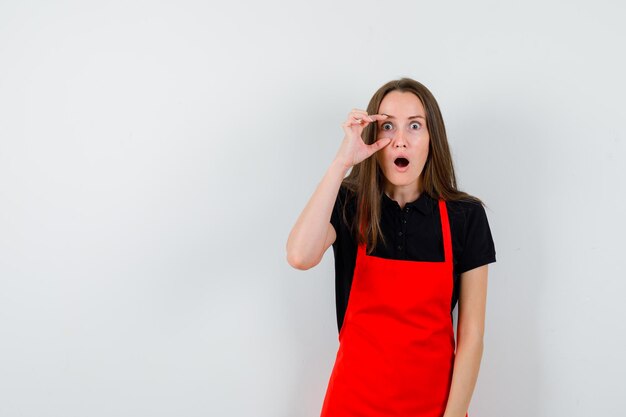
pixel 335 217
pixel 479 248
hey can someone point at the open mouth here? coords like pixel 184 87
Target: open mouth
pixel 401 162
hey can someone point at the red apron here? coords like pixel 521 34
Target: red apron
pixel 396 344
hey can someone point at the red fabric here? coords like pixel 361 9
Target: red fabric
pixel 396 344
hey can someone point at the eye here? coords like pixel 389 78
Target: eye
pixel 384 126
pixel 415 125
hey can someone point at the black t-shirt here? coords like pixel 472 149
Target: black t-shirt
pixel 413 233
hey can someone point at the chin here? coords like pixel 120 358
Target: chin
pixel 402 180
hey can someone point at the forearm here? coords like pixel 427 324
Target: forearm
pixel 307 237
pixel 466 365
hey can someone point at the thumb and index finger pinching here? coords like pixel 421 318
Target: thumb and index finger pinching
pixel 371 118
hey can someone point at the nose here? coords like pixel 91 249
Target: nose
pixel 399 140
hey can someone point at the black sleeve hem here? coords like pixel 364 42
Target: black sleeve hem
pixel 476 264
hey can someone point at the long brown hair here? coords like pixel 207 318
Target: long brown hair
pixel 366 178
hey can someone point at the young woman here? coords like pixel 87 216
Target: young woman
pixel 408 245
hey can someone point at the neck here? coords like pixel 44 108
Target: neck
pixel 403 194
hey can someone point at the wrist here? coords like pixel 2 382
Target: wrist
pixel 339 165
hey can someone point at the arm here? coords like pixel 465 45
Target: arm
pixel 470 330
pixel 313 233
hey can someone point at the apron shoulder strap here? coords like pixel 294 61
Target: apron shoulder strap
pixel 445 229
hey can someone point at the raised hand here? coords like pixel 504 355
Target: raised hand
pixel 353 149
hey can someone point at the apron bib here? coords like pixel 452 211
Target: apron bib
pixel 396 343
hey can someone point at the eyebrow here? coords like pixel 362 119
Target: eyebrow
pixel 412 117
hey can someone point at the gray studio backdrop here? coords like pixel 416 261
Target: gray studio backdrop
pixel 155 155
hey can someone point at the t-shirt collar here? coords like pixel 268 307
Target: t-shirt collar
pixel 424 203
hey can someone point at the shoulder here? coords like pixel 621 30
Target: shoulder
pixel 469 222
pixel 345 192
pixel 344 204
pixel 469 218
pixel 345 197
pixel 466 209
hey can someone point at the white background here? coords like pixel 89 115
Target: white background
pixel 155 155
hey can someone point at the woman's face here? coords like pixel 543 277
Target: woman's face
pixel 406 126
